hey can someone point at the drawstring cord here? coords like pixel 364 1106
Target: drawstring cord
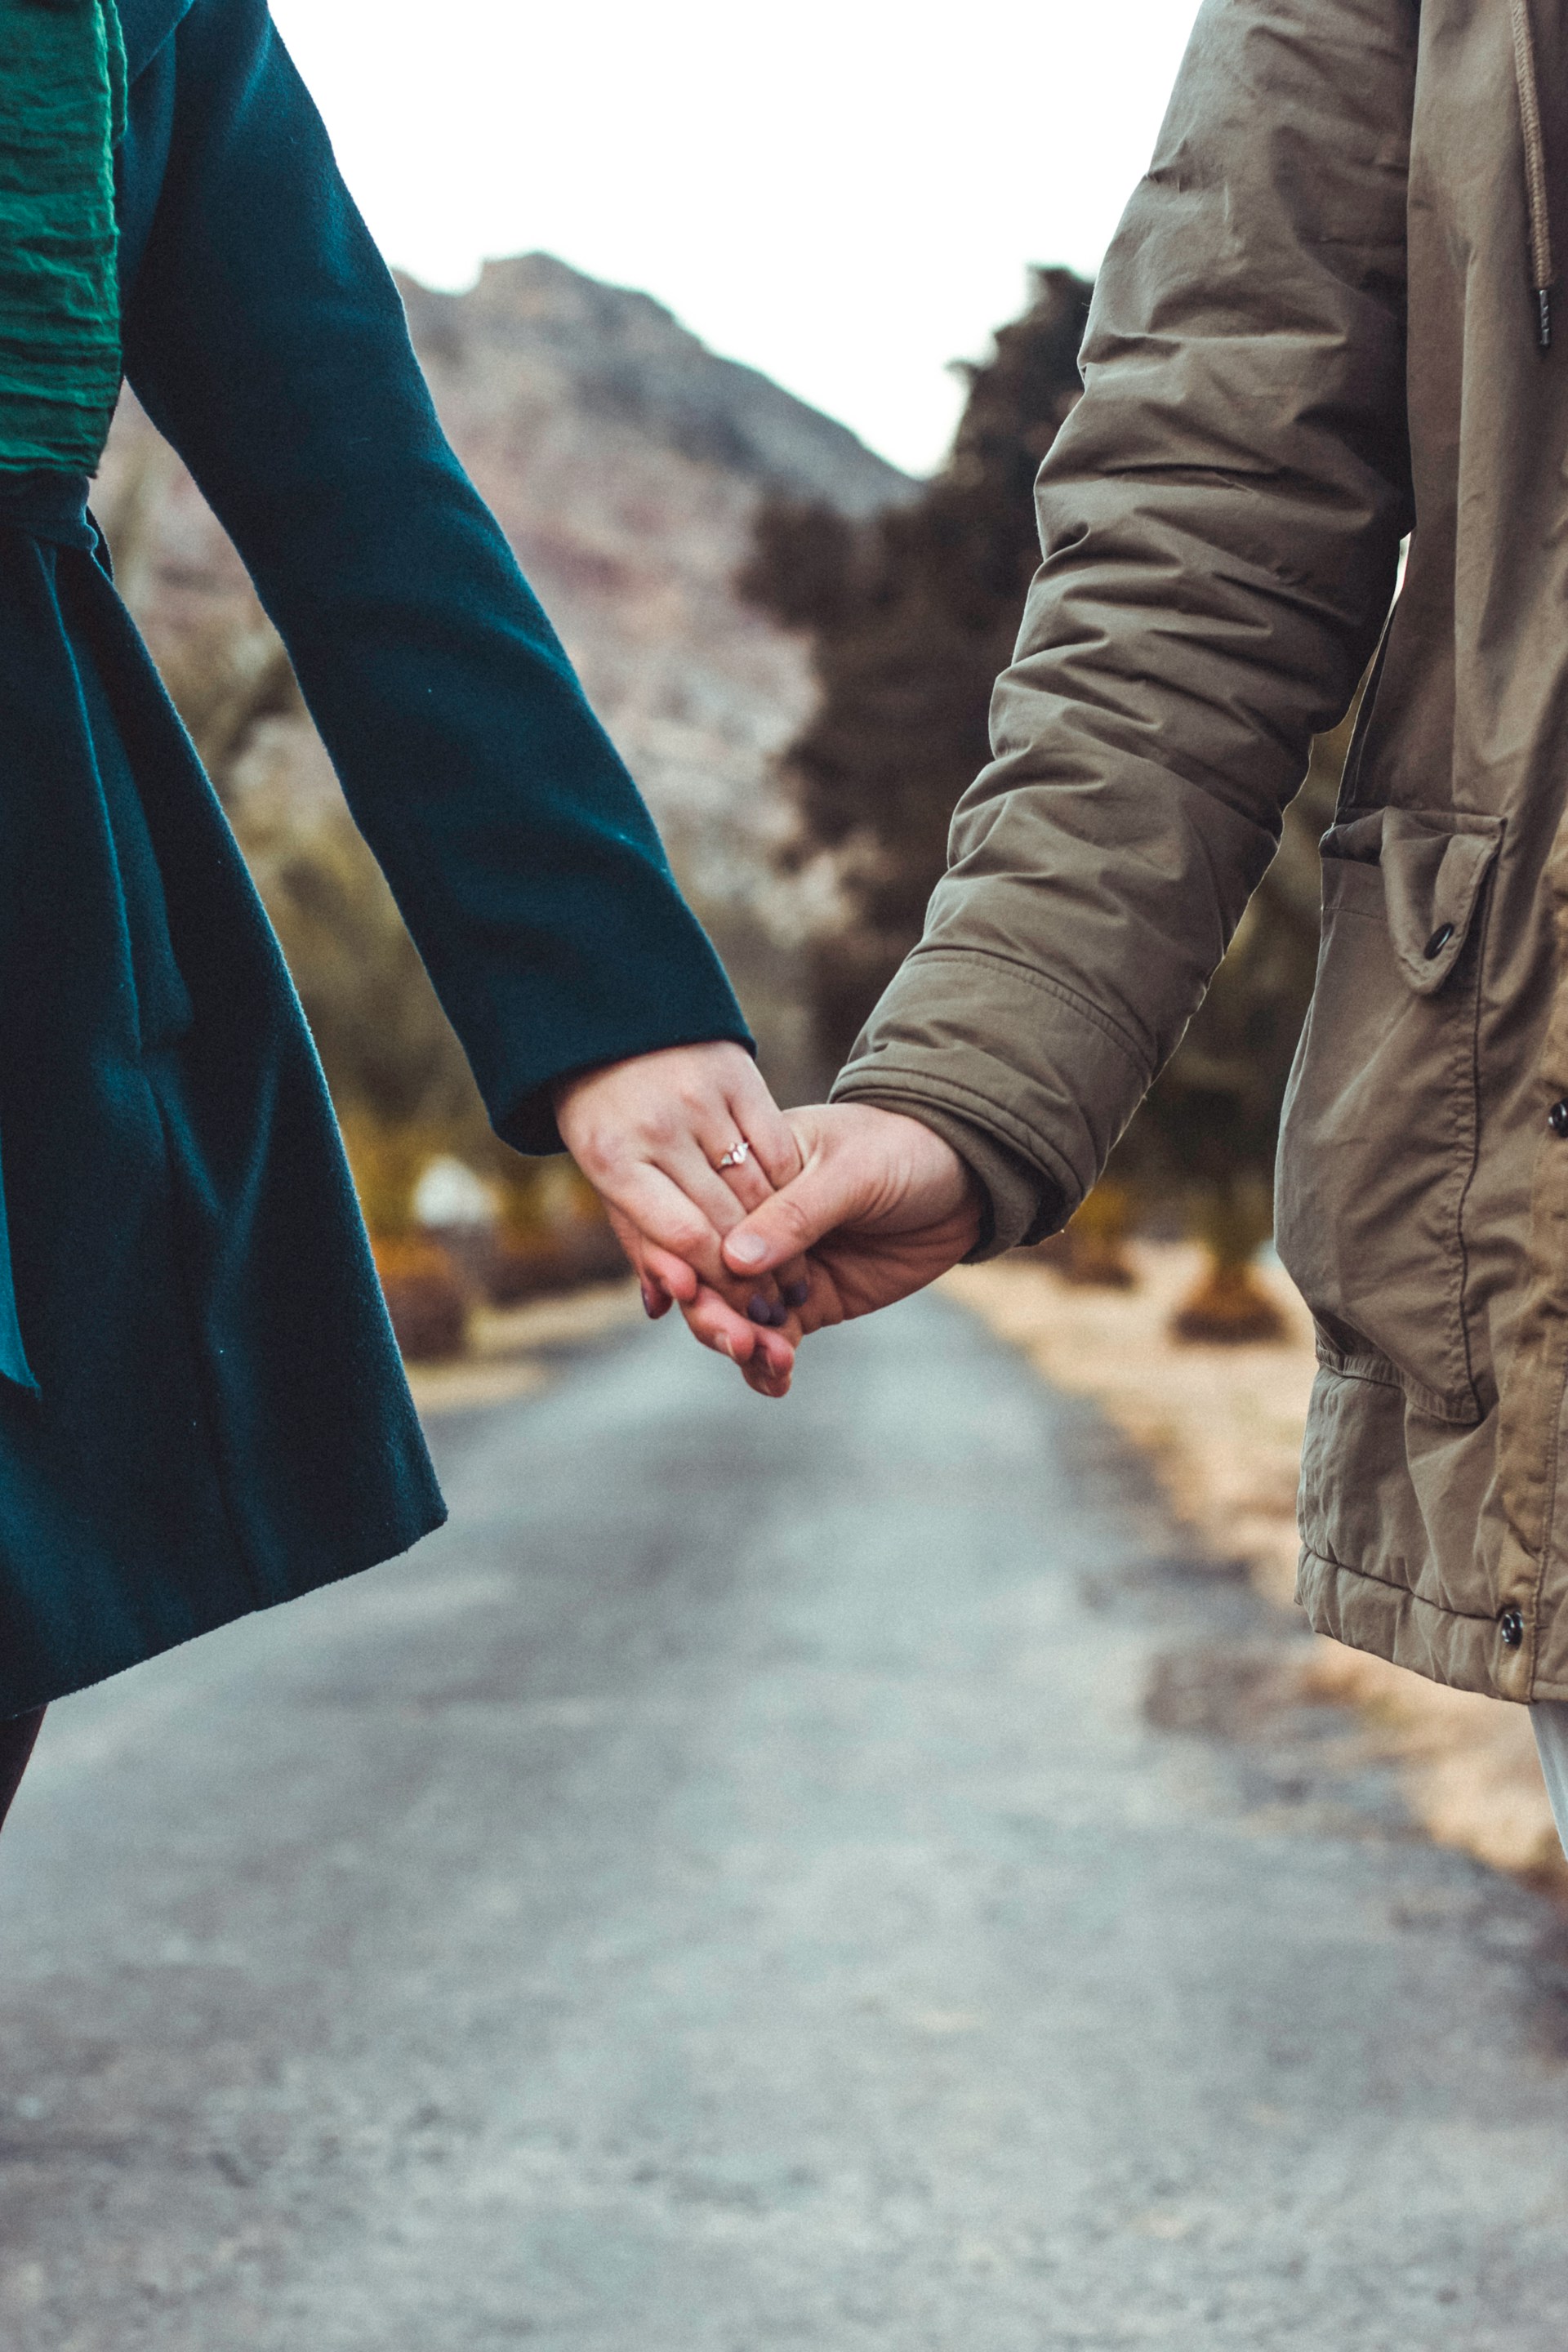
pixel 1541 266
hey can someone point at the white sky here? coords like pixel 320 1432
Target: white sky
pixel 844 193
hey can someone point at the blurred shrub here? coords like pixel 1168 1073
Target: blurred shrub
pixel 552 1235
pixel 387 1159
pixel 1229 1306
pixel 1092 1248
pixel 425 1297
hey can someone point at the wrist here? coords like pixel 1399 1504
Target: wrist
pixel 702 1051
pixel 944 1178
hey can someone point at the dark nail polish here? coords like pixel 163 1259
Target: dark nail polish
pixel 647 1302
pixel 760 1310
pixel 795 1294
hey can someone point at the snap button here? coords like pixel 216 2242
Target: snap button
pixel 1557 1118
pixel 1438 941
pixel 1510 1626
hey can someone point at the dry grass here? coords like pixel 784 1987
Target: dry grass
pixel 1223 1427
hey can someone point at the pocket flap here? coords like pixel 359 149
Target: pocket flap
pixel 1434 863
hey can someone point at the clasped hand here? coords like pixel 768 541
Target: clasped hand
pixel 828 1213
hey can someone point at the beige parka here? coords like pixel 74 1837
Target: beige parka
pixel 1324 324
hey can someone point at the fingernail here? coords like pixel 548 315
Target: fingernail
pixel 647 1308
pixel 750 1248
pixel 795 1294
pixel 764 1310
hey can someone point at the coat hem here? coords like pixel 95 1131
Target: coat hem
pixel 1367 1611
pixel 389 1544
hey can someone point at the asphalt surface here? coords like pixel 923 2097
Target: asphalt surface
pixel 830 1876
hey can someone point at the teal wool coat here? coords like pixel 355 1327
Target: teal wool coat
pixel 202 1411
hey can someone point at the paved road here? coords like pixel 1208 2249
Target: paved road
pixel 729 1892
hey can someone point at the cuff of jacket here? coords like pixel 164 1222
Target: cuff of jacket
pixel 1027 1080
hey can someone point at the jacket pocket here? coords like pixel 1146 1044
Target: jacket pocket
pixel 1379 1139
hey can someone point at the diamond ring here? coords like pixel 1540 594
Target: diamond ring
pixel 737 1155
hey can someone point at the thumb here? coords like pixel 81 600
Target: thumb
pixel 785 1226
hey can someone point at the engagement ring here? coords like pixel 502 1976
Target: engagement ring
pixel 737 1155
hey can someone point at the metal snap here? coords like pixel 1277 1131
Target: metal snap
pixel 1438 941
pixel 1557 1118
pixel 1510 1626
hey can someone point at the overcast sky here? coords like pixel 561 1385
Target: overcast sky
pixel 844 193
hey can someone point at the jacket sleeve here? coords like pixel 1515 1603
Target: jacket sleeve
pixel 266 338
pixel 1220 520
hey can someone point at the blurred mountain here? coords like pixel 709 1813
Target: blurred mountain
pixel 533 338
pixel 625 463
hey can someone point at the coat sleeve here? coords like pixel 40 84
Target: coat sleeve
pixel 265 337
pixel 1220 520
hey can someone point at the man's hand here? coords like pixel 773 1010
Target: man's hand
pixel 881 1203
pixel 649 1134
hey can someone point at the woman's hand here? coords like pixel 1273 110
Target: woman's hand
pixel 649 1134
